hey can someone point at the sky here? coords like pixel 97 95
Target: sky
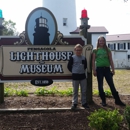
pixel 114 15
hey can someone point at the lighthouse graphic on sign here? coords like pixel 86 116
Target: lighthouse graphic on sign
pixel 41 35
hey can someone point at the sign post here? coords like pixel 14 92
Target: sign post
pixel 1 92
pixel 89 79
pixel 84 31
pixel 1 84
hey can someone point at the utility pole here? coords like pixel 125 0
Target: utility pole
pixel 1 84
pixel 84 32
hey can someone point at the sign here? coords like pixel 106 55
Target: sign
pixel 35 60
pixel 40 53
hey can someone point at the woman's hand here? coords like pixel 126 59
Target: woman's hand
pixel 113 72
pixel 94 73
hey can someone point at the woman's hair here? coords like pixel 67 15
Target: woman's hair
pixel 78 45
pixel 105 46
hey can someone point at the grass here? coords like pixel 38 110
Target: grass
pixel 121 81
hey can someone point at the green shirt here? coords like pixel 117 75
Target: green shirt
pixel 102 59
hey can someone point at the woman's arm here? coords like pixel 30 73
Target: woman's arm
pixel 111 63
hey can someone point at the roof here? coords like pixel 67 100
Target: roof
pixel 118 37
pixel 94 29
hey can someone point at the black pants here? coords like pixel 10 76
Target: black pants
pixel 101 73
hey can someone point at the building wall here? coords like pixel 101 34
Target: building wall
pixel 120 53
pixel 119 59
pixel 63 9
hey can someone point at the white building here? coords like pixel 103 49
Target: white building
pixel 120 46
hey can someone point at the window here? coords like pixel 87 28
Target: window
pixel 64 21
pixel 121 46
pixel 112 46
pixel 128 57
pixel 43 22
pixel 128 46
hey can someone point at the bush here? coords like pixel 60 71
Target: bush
pixel 8 92
pixel 107 93
pixel 23 93
pixel 127 115
pixel 41 91
pixel 105 119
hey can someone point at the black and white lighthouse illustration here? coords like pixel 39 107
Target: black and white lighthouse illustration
pixel 41 35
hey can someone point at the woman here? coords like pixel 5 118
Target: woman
pixel 101 62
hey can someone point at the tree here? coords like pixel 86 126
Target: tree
pixel 9 29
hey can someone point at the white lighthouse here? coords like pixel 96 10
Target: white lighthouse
pixel 65 14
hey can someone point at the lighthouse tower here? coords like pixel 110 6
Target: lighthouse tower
pixel 41 35
pixel 65 14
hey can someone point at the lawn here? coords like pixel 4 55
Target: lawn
pixel 121 81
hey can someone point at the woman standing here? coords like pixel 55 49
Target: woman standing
pixel 101 63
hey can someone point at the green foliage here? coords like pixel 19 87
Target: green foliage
pixel 127 115
pixel 107 93
pixel 52 91
pixel 105 119
pixel 9 29
pixel 96 92
pixel 21 93
pixel 41 91
pixel 67 92
pixel 8 92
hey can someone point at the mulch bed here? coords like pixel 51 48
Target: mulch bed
pixel 40 120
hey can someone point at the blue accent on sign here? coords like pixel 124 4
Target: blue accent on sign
pixel 33 23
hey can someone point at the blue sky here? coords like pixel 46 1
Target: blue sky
pixel 113 14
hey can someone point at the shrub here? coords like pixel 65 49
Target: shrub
pixel 53 91
pixel 105 119
pixel 96 92
pixel 67 92
pixel 41 91
pixel 127 115
pixel 108 93
pixel 21 93
pixel 8 92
